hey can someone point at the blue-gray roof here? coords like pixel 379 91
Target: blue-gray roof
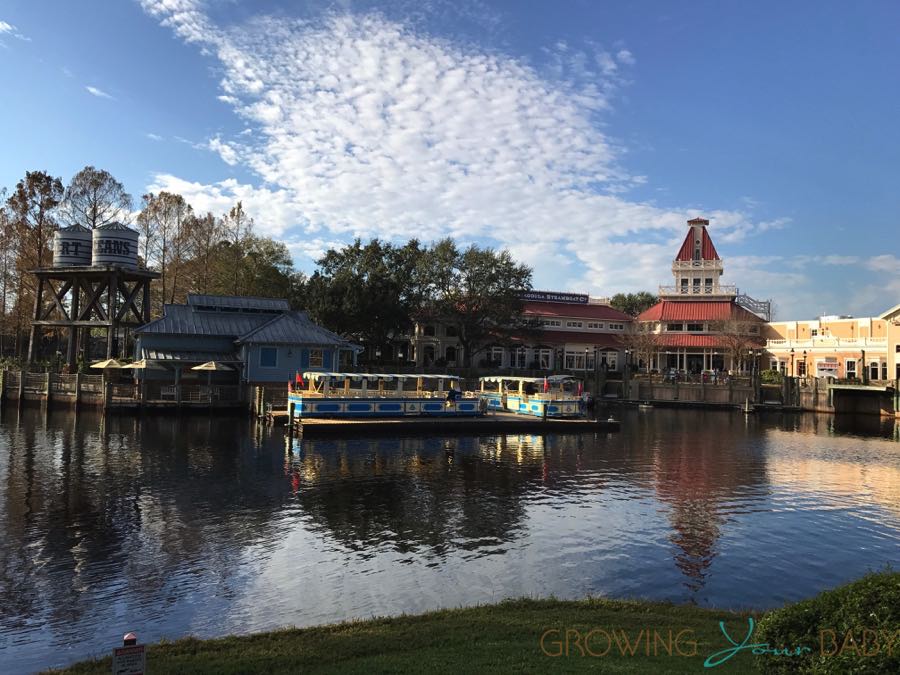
pixel 290 329
pixel 184 320
pixel 238 302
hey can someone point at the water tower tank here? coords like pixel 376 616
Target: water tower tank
pixel 72 246
pixel 115 244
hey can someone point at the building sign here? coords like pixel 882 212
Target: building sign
pixel 550 296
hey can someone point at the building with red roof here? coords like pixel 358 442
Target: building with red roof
pixel 567 331
pixel 699 323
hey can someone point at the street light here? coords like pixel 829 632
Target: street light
pixel 585 357
pixel 792 361
pixel 805 372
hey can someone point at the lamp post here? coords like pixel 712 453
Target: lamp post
pixel 805 371
pixel 585 357
pixel 865 371
pixel 792 361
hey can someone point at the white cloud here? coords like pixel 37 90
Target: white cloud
pixel 365 127
pixel 9 29
pixel 99 93
pixel 153 137
pixel 226 151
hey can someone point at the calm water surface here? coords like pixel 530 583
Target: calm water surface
pixel 205 526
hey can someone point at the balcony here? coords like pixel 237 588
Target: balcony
pixel 703 291
pixel 827 342
pixel 697 265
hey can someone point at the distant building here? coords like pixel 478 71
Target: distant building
pixel 892 326
pixel 570 331
pixel 830 346
pixel 260 337
pixel 699 324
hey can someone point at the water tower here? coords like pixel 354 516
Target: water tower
pixel 95 283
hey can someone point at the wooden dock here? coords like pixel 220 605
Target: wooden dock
pixel 492 423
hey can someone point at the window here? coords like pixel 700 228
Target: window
pixel 544 359
pixel 595 325
pixel 674 326
pixel 695 327
pixel 428 330
pixel 518 358
pixel 697 286
pixel 850 365
pixel 497 356
pixel 268 357
pixel 316 358
pixel 884 370
pixel 451 331
pixel 574 324
pixel 801 368
pixel 814 332
pixel 773 364
pixel 575 360
pixel 874 370
pixel 617 326
pixel 550 322
pixel 450 355
pixel 684 286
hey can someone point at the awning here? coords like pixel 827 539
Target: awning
pixel 187 356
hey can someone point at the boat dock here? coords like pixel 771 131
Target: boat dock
pixel 497 423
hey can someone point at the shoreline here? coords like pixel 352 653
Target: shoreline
pixel 540 635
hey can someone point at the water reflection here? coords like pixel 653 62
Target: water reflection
pixel 205 525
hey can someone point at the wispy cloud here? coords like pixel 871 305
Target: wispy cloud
pixel 99 93
pixel 10 30
pixel 364 126
pixel 153 137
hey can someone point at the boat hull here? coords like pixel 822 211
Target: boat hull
pixel 382 407
pixel 532 406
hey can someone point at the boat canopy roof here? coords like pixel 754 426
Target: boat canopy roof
pixel 317 376
pixel 552 379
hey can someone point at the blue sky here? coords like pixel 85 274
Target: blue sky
pixel 579 134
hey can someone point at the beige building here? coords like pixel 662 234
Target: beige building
pixel 891 319
pixel 830 346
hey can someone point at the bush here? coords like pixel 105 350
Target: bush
pixel 770 377
pixel 852 629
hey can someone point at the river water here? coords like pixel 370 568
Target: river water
pixel 204 526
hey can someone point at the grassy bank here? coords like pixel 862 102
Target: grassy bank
pixel 854 628
pixel 500 638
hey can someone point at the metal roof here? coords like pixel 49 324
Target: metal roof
pixel 574 311
pixel 707 250
pixel 291 329
pixel 239 302
pixel 116 226
pixel 699 310
pixel 183 320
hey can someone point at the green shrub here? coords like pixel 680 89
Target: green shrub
pixel 770 377
pixel 868 611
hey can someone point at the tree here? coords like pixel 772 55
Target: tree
pixel 642 340
pixel 94 198
pixel 367 292
pixel 204 234
pixel 478 292
pixel 32 208
pixel 165 216
pixel 633 304
pixel 737 337
pixel 237 228
pixel 9 248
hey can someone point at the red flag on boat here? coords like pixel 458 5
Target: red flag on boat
pixel 299 379
pixel 580 388
pixel 546 384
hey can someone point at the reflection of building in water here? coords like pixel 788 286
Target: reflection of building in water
pixel 419 492
pixel 85 516
pixel 698 476
pixel 842 469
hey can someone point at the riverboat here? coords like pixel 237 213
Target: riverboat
pixel 552 396
pixel 377 395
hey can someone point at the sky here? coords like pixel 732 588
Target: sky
pixel 579 134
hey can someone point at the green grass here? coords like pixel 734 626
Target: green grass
pixel 507 638
pixel 503 638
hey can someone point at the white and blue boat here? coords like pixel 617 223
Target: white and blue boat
pixel 553 396
pixel 380 395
